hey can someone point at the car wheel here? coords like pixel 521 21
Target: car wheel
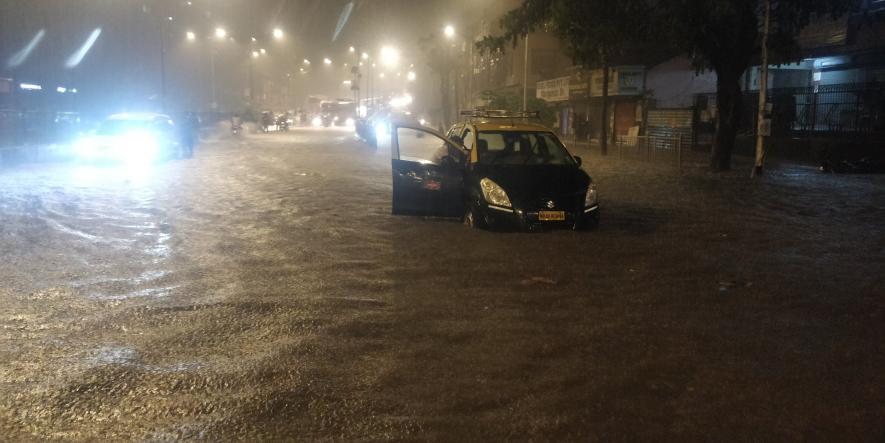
pixel 471 219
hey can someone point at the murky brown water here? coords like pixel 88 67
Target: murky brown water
pixel 263 291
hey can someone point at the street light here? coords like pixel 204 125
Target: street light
pixel 352 49
pixel 220 33
pixel 389 56
pixel 255 54
pixel 191 36
pixel 263 51
pixel 411 76
pixel 278 33
pixel 306 61
pixel 449 31
pixel 326 61
pixel 365 56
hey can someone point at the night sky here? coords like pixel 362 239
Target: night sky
pixel 122 69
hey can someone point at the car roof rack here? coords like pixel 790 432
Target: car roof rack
pixel 488 114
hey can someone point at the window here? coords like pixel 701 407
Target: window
pixel 469 140
pixel 521 148
pixel 425 147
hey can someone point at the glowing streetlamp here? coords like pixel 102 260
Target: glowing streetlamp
pixel 411 76
pixel 255 54
pixel 191 36
pixel 220 33
pixel 278 34
pixel 327 61
pixel 352 49
pixel 449 31
pixel 365 56
pixel 389 56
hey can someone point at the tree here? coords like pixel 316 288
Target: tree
pixel 725 35
pixel 722 35
pixel 438 57
pixel 598 33
pixel 513 102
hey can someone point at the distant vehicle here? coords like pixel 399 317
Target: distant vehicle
pixel 267 121
pixel 131 138
pixel 236 125
pixel 337 113
pixel 283 121
pixel 493 171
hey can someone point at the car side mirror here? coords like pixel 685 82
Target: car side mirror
pixel 579 160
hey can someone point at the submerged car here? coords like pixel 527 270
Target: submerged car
pixel 494 170
pixel 131 138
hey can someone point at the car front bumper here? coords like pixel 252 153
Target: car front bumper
pixel 527 220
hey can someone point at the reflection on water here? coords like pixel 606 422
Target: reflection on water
pixel 102 223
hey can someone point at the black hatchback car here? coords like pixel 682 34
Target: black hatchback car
pixel 493 173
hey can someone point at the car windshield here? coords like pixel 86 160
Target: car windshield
pixel 521 148
pixel 117 127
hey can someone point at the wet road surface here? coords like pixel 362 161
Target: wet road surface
pixel 263 291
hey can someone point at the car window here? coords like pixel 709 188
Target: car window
pixel 469 140
pixel 421 146
pixel 163 126
pixel 521 148
pixel 120 127
pixel 455 129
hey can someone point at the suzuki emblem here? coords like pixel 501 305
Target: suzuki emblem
pixel 550 204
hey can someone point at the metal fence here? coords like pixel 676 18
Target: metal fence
pixel 668 150
pixel 856 109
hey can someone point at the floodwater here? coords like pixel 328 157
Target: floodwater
pixel 262 290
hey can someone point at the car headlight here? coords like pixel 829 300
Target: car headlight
pixel 592 198
pixel 138 147
pixel 85 147
pixel 494 194
pixel 316 121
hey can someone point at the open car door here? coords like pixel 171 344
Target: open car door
pixel 428 172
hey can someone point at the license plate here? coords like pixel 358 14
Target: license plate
pixel 551 216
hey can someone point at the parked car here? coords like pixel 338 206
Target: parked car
pixel 132 138
pixel 494 171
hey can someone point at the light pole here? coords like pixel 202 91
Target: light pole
pixel 449 33
pixel 525 75
pixel 163 65
pixel 220 35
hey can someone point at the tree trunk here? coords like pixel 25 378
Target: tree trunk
pixel 603 133
pixel 729 103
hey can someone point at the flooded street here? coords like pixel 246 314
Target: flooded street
pixel 262 290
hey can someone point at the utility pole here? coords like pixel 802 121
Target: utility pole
pixel 525 75
pixel 213 87
pixel 163 66
pixel 763 127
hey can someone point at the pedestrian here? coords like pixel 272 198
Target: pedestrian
pixel 188 128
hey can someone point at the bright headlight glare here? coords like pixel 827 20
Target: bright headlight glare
pixel 316 122
pixel 138 147
pixel 349 122
pixel 494 194
pixel 84 147
pixel 592 197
